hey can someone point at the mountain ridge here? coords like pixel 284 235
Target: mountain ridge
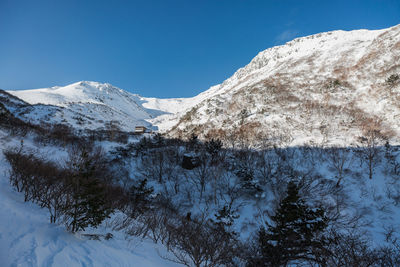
pixel 340 77
pixel 280 89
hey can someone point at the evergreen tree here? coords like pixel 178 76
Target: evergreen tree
pixel 193 142
pixel 139 196
pixel 296 233
pixel 213 147
pixel 158 140
pixel 87 205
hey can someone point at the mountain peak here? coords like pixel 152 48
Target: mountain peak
pixel 91 103
pixel 299 92
pixel 92 85
pixel 326 46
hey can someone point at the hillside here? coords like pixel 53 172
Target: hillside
pixel 178 220
pixel 319 89
pixel 28 239
pixel 128 201
pixel 90 105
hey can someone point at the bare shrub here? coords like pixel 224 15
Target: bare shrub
pixel 339 159
pixel 158 163
pixel 195 242
pixel 373 137
pixel 41 181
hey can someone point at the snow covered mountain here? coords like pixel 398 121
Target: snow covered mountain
pixel 90 105
pixel 323 89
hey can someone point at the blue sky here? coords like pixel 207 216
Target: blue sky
pixel 161 48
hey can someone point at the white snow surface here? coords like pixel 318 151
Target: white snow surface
pixel 105 102
pixel 28 239
pixel 94 103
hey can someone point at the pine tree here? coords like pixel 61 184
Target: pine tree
pixel 158 140
pixel 87 205
pixel 213 147
pixel 296 233
pixel 139 196
pixel 193 142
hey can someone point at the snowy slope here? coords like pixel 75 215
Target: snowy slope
pixel 91 105
pixel 88 104
pixel 316 89
pixel 28 239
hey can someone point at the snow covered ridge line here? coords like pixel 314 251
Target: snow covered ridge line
pixel 96 103
pixel 314 89
pixel 90 105
pixel 300 47
pixel 319 89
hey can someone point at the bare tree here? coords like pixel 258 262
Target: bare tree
pixel 201 174
pixel 54 200
pixel 374 135
pixel 113 127
pixel 355 250
pixel 195 242
pixel 158 163
pixel 371 150
pixel 339 159
pixel 229 191
pixel 266 163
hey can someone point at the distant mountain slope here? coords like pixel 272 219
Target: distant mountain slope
pixel 322 88
pixel 325 89
pixel 91 105
pixel 35 114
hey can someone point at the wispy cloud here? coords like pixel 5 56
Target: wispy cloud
pixel 286 36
